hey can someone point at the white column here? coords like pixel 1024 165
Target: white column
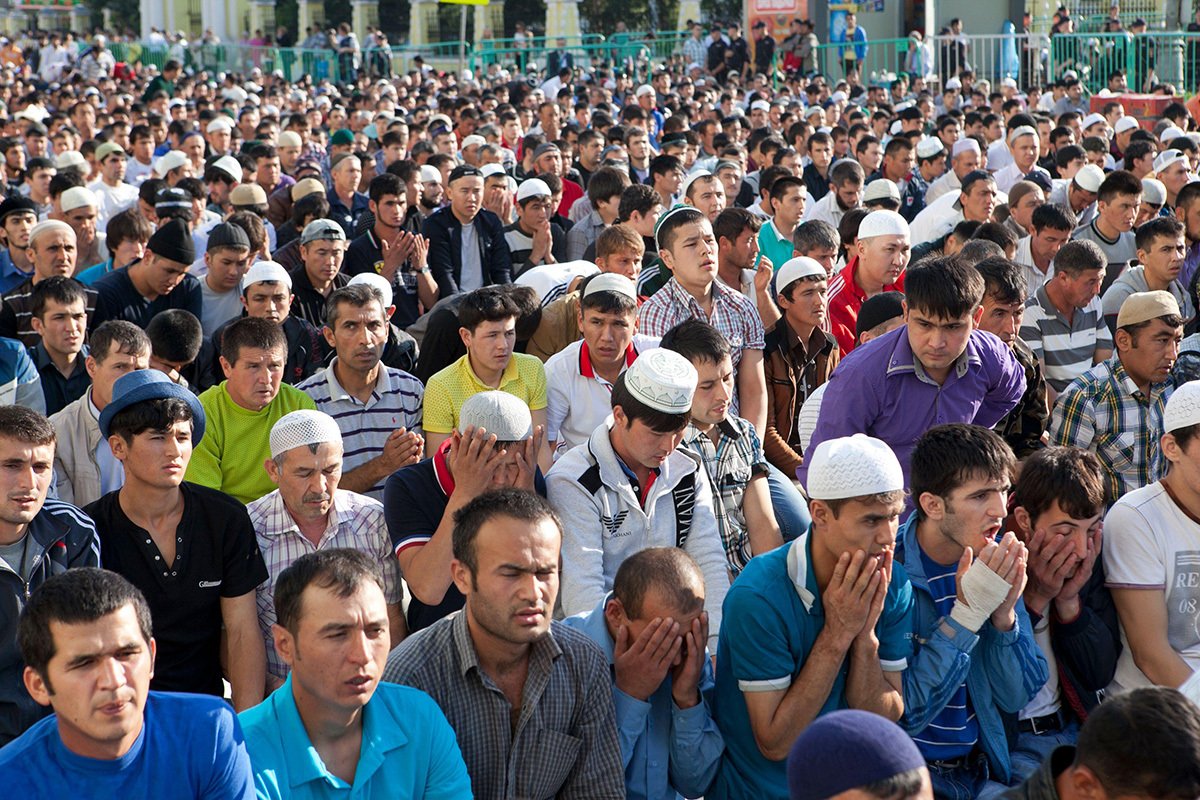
pixel 690 10
pixel 418 22
pixel 562 19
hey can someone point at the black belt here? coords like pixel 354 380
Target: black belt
pixel 1039 725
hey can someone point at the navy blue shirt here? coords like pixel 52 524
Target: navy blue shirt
pixel 119 299
pixel 346 216
pixel 60 391
pixel 365 255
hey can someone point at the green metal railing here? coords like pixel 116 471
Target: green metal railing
pixel 1164 57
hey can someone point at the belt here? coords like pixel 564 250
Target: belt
pixel 948 765
pixel 1039 725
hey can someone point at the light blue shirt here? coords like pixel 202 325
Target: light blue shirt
pixel 112 471
pixel 408 751
pixel 668 751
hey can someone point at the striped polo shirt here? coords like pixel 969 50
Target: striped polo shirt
pixel 1066 348
pixel 395 403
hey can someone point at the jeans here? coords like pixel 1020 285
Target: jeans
pixel 1034 748
pixel 791 512
pixel 965 782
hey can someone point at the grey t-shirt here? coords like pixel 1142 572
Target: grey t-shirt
pixel 472 264
pixel 218 308
pixel 19 555
pixel 1118 253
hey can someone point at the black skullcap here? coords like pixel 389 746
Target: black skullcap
pixel 12 205
pixel 226 234
pixel 173 241
pixel 877 310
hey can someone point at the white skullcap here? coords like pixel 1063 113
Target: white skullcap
pixel 430 174
pixel 77 197
pixel 500 413
pixel 49 225
pixel 929 147
pixel 611 282
pixel 69 159
pixel 692 178
pixel 1183 407
pixel 645 89
pixel 838 97
pixel 303 428
pixel 261 271
pixel 1166 158
pixel 1009 83
pixel 290 139
pixel 1092 119
pixel 663 380
pixel 796 268
pixel 219 124
pixel 760 105
pixel 230 166
pixel 853 466
pixel 1126 124
pixel 883 223
pixel 953 83
pixel 532 187
pixel 1089 178
pixel 1021 130
pixel 473 139
pixel 896 128
pixel 1170 132
pixel 488 170
pixel 1153 191
pixel 881 189
pixel 375 281
pixel 173 159
pixel 813 110
pixel 964 145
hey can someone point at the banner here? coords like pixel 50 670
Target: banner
pixel 778 14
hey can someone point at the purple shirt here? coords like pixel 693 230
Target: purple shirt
pixel 881 390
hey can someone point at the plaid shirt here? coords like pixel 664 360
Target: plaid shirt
pixel 732 460
pixel 356 522
pixel 564 741
pixel 1104 411
pixel 733 314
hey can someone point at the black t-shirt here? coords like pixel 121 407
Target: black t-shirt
pixel 216 556
pixel 118 299
pixel 362 255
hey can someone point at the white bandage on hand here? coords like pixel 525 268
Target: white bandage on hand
pixel 984 591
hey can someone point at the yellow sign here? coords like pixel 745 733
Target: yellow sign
pixel 465 2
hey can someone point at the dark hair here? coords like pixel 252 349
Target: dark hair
pixel 846 171
pixel 340 569
pixel 26 425
pixel 655 420
pixel 513 503
pixel 943 287
pixel 900 786
pixel 253 225
pixel 74 597
pixel 637 197
pixel 605 184
pixel 314 205
pixel 251 332
pixel 1078 256
pixel 358 295
pixel 671 221
pixel 487 304
pixel 157 414
pixel 779 187
pixel 1003 280
pixel 1071 475
pixel 119 336
pixel 977 250
pixel 670 571
pixel 1066 154
pixel 61 290
pixel 995 232
pixel 383 185
pixel 605 302
pixel 732 221
pixel 1153 228
pixel 1117 184
pixel 697 341
pixel 947 456
pixel 1055 216
pixel 1144 743
pixel 813 234
pixel 175 336
pixel 976 176
pixel 1187 195
pixel 662 165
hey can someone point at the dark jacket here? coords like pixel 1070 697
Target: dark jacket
pixel 1025 424
pixel 785 393
pixel 817 186
pixel 1042 785
pixel 64 537
pixel 444 232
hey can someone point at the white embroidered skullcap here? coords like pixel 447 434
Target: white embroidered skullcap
pixel 473 139
pixel 1092 119
pixel 78 197
pixel 796 268
pixel 532 187
pixel 500 413
pixel 303 428
pixel 929 146
pixel 45 226
pixel 692 178
pixel 430 174
pixel 230 166
pixel 964 145
pixel 266 271
pixel 663 380
pixel 611 282
pixel 883 223
pixel 1183 407
pixel 1126 124
pixel 1089 178
pixel 173 159
pixel 853 466
pixel 1022 130
pixel 375 281
pixel 881 189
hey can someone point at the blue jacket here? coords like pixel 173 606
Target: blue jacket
pixel 444 232
pixel 1003 670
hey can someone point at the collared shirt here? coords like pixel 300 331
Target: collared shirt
pixel 395 403
pixel 887 394
pixel 774 614
pixel 1067 348
pixel 58 389
pixel 16 313
pixel 112 472
pixel 846 299
pixel 1105 412
pixel 774 245
pixel 564 741
pixel 449 388
pixel 10 275
pixel 732 314
pixel 733 456
pixel 669 752
pixel 346 217
pixel 1034 277
pixel 355 521
pixel 578 399
pixel 408 751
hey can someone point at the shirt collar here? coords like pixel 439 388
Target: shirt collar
pixel 340 512
pixel 585 359
pixel 799 567
pixel 904 360
pixel 724 430
pixel 441 470
pixel 336 392
pixel 509 375
pixel 545 650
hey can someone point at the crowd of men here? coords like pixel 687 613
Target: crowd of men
pixel 732 435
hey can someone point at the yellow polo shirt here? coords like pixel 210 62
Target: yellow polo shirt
pixel 447 390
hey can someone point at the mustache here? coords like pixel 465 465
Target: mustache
pixel 316 497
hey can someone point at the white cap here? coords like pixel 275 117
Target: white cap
pixel 430 174
pixel 375 281
pixel 219 124
pixel 70 158
pixel 883 223
pixel 532 187
pixel 1126 124
pixel 644 90
pixel 501 413
pixel 964 145
pixel 172 159
pixel 1170 132
pixel 853 466
pixel 929 146
pixel 1089 178
pixel 663 380
pixel 1009 83
pixel 77 197
pixel 611 282
pixel 1153 191
pixel 49 225
pixel 473 139
pixel 954 83
pixel 896 128
pixel 290 139
pixel 230 166
pixel 796 268
pixel 808 112
pixel 838 97
pixel 261 271
pixel 1166 158
pixel 1092 119
pixel 881 189
pixel 303 428
pixel 690 179
pixel 760 105
pixel 1021 130
pixel 1183 407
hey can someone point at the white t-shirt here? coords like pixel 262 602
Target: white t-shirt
pixel 1152 543
pixel 1046 701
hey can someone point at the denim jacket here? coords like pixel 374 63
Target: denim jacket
pixel 1003 670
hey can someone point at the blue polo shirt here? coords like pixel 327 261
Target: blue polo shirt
pixel 771 619
pixel 10 276
pixel 408 750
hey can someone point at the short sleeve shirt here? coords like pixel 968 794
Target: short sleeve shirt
pixel 216 556
pixel 447 390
